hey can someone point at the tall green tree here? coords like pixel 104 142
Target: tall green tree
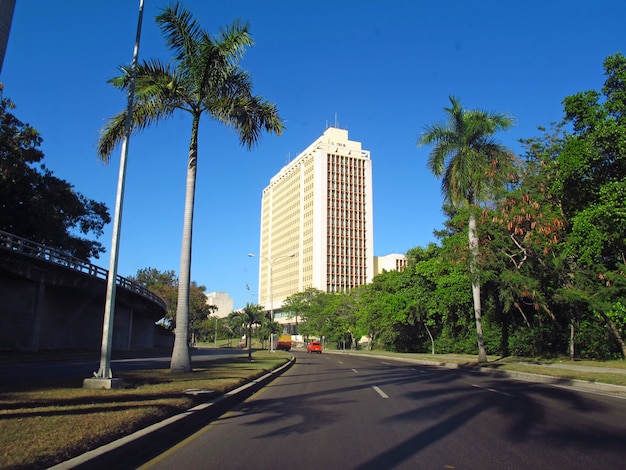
pixel 425 270
pixel 301 304
pixel 592 184
pixel 382 308
pixel 592 169
pixel 205 78
pixel 317 310
pixel 471 163
pixel 37 205
pixel 165 285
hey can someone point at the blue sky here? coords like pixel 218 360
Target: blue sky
pixel 382 69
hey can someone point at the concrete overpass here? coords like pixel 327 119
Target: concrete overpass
pixel 49 300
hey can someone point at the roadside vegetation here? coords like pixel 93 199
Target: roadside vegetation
pixel 529 272
pixel 531 261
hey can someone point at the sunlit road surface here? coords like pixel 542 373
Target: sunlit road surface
pixel 348 412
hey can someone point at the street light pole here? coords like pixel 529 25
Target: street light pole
pixel 104 377
pixel 215 344
pixel 271 263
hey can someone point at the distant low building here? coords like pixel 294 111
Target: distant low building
pixel 223 303
pixel 392 262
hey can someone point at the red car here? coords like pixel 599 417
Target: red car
pixel 314 347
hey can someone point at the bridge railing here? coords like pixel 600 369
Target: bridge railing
pixel 33 249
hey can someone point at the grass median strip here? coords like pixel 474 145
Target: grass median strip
pixel 607 372
pixel 46 422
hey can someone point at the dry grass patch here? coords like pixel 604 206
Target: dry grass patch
pixel 45 423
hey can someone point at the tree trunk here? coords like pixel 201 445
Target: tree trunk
pixel 181 358
pixel 504 322
pixel 572 350
pixel 250 341
pixel 432 340
pixel 616 333
pixel 473 246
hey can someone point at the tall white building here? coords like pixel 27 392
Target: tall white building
pixel 317 221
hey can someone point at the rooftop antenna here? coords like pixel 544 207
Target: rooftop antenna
pixel 336 123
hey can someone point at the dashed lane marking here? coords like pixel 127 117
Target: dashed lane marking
pixel 380 392
pixel 492 390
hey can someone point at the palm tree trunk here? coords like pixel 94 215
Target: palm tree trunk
pixel 181 358
pixel 473 246
pixel 250 341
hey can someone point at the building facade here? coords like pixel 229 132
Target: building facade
pixel 392 262
pixel 223 303
pixel 317 222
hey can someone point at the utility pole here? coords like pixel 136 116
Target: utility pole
pixel 104 377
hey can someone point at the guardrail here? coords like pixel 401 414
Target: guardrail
pixel 36 250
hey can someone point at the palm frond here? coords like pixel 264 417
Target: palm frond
pixel 464 154
pixel 234 39
pixel 204 78
pixel 235 106
pixel 110 135
pixel 182 32
pixel 157 95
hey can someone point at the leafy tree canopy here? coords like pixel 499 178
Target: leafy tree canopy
pixel 35 204
pixel 592 166
pixel 165 285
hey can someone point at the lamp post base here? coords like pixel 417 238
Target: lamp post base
pixel 97 383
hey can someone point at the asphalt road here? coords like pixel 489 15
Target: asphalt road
pixel 332 411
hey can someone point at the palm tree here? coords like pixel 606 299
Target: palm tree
pixel 252 314
pixel 205 78
pixel 470 164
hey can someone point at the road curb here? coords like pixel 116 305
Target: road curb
pixel 140 446
pixel 556 381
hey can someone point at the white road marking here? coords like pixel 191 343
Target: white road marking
pixel 418 370
pixel 380 392
pixel 492 390
pixel 355 371
pixel 386 363
pixel 340 362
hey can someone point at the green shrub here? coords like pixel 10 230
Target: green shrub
pixel 593 340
